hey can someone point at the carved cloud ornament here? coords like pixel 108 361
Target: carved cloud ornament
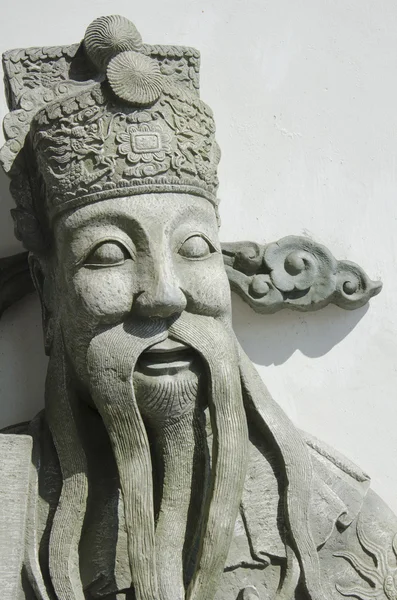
pixel 160 468
pixel 295 273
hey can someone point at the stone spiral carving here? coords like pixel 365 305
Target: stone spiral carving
pixel 296 264
pixel 352 284
pixel 107 36
pixel 295 273
pixel 135 78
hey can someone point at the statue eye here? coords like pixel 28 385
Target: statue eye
pixel 108 254
pixel 196 247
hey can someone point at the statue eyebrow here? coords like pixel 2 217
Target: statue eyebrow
pixel 197 214
pixel 106 218
pixel 80 235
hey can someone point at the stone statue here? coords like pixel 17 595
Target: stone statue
pixel 161 468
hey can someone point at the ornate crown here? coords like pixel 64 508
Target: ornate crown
pixel 105 118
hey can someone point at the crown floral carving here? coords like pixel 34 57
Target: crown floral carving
pixel 148 144
pixel 87 148
pixel 107 118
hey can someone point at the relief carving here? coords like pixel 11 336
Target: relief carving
pixel 295 273
pixel 378 574
pixel 161 468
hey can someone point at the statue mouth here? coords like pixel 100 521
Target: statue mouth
pixel 166 358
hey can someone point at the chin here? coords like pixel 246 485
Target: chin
pixel 168 381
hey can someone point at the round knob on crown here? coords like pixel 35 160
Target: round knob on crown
pixel 107 36
pixel 135 78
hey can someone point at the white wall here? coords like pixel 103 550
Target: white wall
pixel 305 97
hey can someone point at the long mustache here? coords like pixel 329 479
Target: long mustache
pixel 62 417
pixel 62 414
pixel 112 357
pixel 215 343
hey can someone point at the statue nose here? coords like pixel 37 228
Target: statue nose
pixel 163 300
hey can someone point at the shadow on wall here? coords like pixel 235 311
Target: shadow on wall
pixel 272 339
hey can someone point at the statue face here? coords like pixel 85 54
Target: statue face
pixel 148 256
pixel 137 279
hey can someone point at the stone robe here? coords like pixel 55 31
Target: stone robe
pixel 353 529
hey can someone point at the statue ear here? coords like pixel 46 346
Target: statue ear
pixel 43 282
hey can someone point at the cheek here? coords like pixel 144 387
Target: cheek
pixel 102 296
pixel 206 287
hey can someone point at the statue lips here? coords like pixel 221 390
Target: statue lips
pixel 168 357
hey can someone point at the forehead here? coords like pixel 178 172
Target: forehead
pixel 148 211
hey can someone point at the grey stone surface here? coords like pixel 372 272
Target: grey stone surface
pixel 295 273
pixel 161 467
pixel 15 452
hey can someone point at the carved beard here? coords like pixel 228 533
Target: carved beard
pixel 112 357
pixel 173 408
